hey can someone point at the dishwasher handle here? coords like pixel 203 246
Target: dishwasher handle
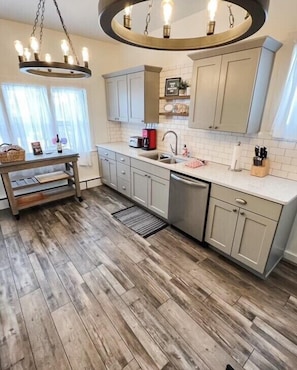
pixel 198 184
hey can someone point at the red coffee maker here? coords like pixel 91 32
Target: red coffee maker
pixel 149 138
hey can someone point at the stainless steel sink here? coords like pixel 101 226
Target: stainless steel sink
pixel 163 157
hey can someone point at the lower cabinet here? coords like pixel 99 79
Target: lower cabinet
pixel 244 235
pixel 242 226
pixel 108 169
pixel 148 189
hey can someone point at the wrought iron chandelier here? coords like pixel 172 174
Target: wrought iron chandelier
pixel 256 13
pixel 69 68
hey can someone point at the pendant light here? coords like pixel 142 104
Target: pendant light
pixel 256 11
pixel 48 68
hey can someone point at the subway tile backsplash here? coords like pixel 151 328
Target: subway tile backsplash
pixel 209 145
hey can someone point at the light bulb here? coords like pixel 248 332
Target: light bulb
pixel 19 47
pixel 167 10
pixel 34 45
pixel 128 10
pixel 27 54
pixel 48 58
pixel 127 17
pixel 20 50
pixel 85 55
pixel 212 8
pixel 70 59
pixel 65 47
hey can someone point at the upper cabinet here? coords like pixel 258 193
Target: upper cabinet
pixel 230 84
pixel 117 97
pixel 132 95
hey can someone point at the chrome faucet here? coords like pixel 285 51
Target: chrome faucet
pixel 174 151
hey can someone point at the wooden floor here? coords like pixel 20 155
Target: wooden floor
pixel 78 290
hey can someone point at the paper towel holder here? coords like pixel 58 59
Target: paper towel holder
pixel 234 161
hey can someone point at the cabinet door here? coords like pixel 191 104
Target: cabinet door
pixel 204 90
pixel 117 98
pixel 221 224
pixel 253 239
pixel 139 186
pixel 108 172
pixel 158 195
pixel 112 174
pixel 136 97
pixel 236 87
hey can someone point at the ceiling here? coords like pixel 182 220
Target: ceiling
pixel 81 17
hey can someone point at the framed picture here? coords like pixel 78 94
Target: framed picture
pixel 172 86
pixel 36 148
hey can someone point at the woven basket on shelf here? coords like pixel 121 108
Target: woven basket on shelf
pixel 11 153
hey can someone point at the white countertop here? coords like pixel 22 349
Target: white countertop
pixel 272 188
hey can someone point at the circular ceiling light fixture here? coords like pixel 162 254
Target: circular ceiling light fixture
pixel 256 13
pixel 48 68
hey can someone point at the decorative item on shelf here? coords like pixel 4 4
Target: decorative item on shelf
pixel 182 88
pixel 48 68
pixel 172 86
pixel 36 147
pixel 253 15
pixel 261 163
pixel 11 153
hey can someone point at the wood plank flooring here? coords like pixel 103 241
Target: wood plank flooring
pixel 78 290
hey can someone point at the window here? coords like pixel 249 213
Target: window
pixel 31 118
pixel 285 122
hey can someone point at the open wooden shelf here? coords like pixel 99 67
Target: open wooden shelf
pixel 177 97
pixel 45 196
pixel 173 114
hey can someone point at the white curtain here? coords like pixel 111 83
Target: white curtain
pixel 72 120
pixel 4 134
pixel 285 121
pixel 29 115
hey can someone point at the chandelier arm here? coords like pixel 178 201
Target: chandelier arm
pixel 41 23
pixel 66 32
pixel 36 18
pixel 148 18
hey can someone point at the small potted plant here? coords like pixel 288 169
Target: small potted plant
pixel 183 87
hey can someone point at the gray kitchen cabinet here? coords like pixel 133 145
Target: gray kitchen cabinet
pixel 230 84
pixel 150 186
pixel 108 168
pixel 137 89
pixel 251 230
pixel 117 98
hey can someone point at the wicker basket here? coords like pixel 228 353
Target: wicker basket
pixel 11 153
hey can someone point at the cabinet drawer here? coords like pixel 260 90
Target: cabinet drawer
pixel 106 153
pixel 246 201
pixel 123 171
pixel 124 187
pixel 123 158
pixel 150 168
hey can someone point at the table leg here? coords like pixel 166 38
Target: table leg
pixel 76 180
pixel 10 194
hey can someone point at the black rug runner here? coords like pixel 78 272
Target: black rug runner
pixel 140 221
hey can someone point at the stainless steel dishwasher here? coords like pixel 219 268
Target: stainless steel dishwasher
pixel 188 201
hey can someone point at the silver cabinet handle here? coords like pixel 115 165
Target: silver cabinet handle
pixel 123 172
pixel 240 201
pixel 122 159
pixel 124 187
pixel 242 213
pixel 106 154
pixel 196 183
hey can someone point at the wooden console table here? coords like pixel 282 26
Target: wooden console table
pixel 19 202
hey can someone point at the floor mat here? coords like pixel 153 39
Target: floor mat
pixel 140 221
